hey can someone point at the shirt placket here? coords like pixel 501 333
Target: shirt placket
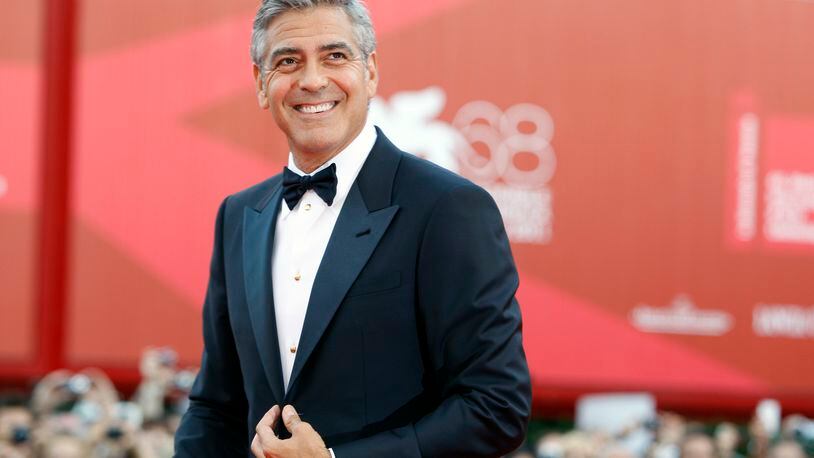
pixel 305 216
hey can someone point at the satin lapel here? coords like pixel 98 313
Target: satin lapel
pixel 355 236
pixel 258 241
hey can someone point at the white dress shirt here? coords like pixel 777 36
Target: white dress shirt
pixel 300 240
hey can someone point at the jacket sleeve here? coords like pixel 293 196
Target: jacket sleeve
pixel 466 282
pixel 215 425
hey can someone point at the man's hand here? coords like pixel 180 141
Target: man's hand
pixel 304 441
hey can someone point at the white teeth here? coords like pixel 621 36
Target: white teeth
pixel 315 108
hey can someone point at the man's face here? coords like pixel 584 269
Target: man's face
pixel 315 80
pixel 698 447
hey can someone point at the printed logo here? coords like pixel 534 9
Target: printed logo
pixel 508 152
pixel 681 317
pixel 783 320
pixel 771 179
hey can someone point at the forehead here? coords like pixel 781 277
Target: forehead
pixel 308 29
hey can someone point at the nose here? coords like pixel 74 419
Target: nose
pixel 312 78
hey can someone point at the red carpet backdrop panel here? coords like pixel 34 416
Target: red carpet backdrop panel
pixel 653 162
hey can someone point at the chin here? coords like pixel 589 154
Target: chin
pixel 315 146
pixel 315 141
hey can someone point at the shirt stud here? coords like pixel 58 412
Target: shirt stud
pixel 307 207
pixel 297 276
pixel 293 349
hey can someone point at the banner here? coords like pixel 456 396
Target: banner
pixel 20 101
pixel 653 163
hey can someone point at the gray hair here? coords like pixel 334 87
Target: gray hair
pixel 270 9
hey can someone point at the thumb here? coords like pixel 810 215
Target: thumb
pixel 290 418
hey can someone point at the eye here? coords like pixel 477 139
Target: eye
pixel 336 55
pixel 286 62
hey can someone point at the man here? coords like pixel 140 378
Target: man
pixel 727 439
pixel 361 304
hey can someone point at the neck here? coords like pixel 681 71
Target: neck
pixel 308 162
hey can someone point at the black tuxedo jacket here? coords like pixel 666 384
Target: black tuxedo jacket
pixel 411 344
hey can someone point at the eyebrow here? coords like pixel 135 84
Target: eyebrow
pixel 335 46
pixel 283 51
pixel 288 50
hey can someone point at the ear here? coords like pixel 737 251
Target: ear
pixel 260 87
pixel 372 74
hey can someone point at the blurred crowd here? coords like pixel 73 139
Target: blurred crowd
pixel 73 415
pixel 672 436
pixel 79 415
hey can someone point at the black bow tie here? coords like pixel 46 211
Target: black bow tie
pixel 323 183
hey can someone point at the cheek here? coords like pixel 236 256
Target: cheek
pixel 276 100
pixel 351 82
pixel 277 92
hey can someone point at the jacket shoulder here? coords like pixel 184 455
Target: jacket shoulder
pixel 427 181
pixel 256 195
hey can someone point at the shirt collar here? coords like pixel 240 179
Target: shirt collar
pixel 348 162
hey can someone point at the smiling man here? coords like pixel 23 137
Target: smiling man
pixel 361 303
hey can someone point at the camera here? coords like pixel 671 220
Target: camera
pixel 20 435
pixel 78 385
pixel 114 433
pixel 167 357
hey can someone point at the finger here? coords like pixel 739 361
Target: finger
pixel 265 429
pixel 291 418
pixel 269 420
pixel 257 449
pixel 266 437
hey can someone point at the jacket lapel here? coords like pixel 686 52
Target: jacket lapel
pixel 365 217
pixel 258 241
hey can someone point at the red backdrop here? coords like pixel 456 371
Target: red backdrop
pixel 654 163
pixel 20 73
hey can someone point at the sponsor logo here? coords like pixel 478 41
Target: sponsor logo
pixel 789 207
pixel 681 317
pixel 771 184
pixel 783 320
pixel 508 152
pixel 747 177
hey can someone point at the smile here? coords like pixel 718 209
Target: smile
pixel 314 109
